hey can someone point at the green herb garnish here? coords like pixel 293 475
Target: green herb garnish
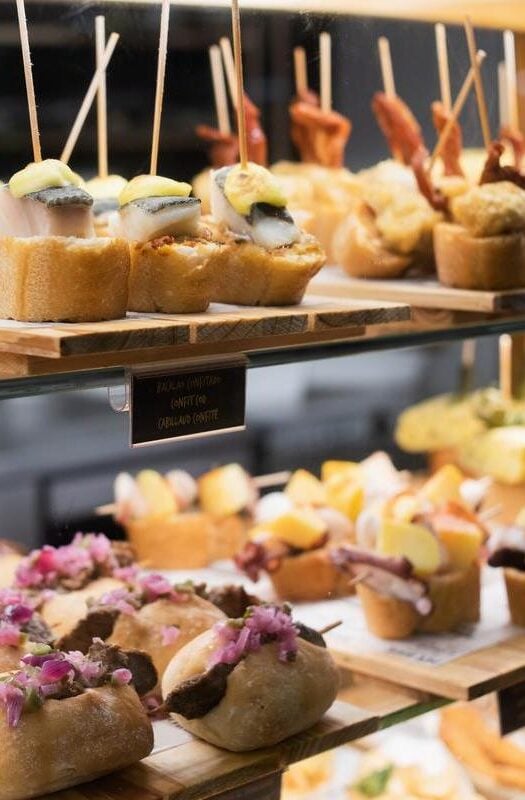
pixel 375 783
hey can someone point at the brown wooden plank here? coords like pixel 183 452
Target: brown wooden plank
pixel 464 678
pixel 334 282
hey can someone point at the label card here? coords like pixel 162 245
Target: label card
pixel 189 400
pixel 511 707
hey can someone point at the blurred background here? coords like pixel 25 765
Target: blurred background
pixel 60 453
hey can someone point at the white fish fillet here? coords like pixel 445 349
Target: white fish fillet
pixel 268 232
pixel 27 217
pixel 134 223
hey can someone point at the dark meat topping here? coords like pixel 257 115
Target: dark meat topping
pixel 140 665
pixel 97 624
pixel 233 601
pixel 493 172
pixel 37 630
pixel 508 557
pixel 345 557
pixel 310 635
pixel 197 696
pixel 62 196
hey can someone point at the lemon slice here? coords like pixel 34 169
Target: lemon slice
pixel 152 186
pixel 48 174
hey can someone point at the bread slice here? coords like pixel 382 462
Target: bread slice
pixel 174 276
pixel 63 278
pixel 70 741
pixel 254 276
pixel 489 263
pixel 455 597
pixel 309 576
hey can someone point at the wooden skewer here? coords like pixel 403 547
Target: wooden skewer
pixel 457 108
pixel 300 70
pixel 325 56
pixel 88 99
pixel 102 118
pixel 219 90
pixel 480 92
pixel 442 57
pixel 239 84
pixel 28 75
pixel 358 579
pixel 159 90
pixel 331 627
pixel 385 59
pixel 490 513
pixel 468 357
pixel 502 94
pixel 229 68
pixel 505 366
pixel 511 79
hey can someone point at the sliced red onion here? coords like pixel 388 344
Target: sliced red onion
pixel 121 599
pixel 170 634
pixel 55 671
pixel 121 677
pixel 12 699
pixel 10 635
pixel 261 624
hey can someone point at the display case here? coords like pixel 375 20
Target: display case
pixel 381 685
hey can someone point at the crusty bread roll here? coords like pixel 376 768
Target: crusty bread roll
pixel 63 611
pixel 189 540
pixel 266 700
pixel 63 279
pixel 174 276
pixel 455 597
pixel 143 630
pixel 515 583
pixel 70 741
pixel 358 247
pixel 10 657
pixel 489 263
pixel 309 576
pixel 253 276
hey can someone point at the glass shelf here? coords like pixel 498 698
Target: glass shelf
pixel 371 341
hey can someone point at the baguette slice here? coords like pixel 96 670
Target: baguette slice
pixel 63 279
pixel 174 276
pixel 308 577
pixel 489 263
pixel 455 597
pixel 253 276
pixel 70 741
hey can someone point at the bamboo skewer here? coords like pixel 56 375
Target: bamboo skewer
pixel 511 79
pixel 28 75
pixel 239 84
pixel 88 99
pixel 480 92
pixel 505 366
pixel 502 95
pixel 457 108
pixel 229 68
pixel 219 90
pixel 325 56
pixel 331 627
pixel 159 91
pixel 442 57
pixel 102 120
pixel 385 60
pixel 300 71
pixel 468 358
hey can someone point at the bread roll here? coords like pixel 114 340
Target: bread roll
pixel 515 583
pixel 455 597
pixel 174 276
pixel 266 700
pixel 488 263
pixel 358 247
pixel 309 576
pixel 63 611
pixel 10 657
pixel 143 630
pixel 253 276
pixel 63 279
pixel 67 742
pixel 189 540
pixel 8 565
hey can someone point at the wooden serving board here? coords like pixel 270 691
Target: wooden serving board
pixel 420 293
pixel 465 678
pixel 28 349
pixel 184 768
